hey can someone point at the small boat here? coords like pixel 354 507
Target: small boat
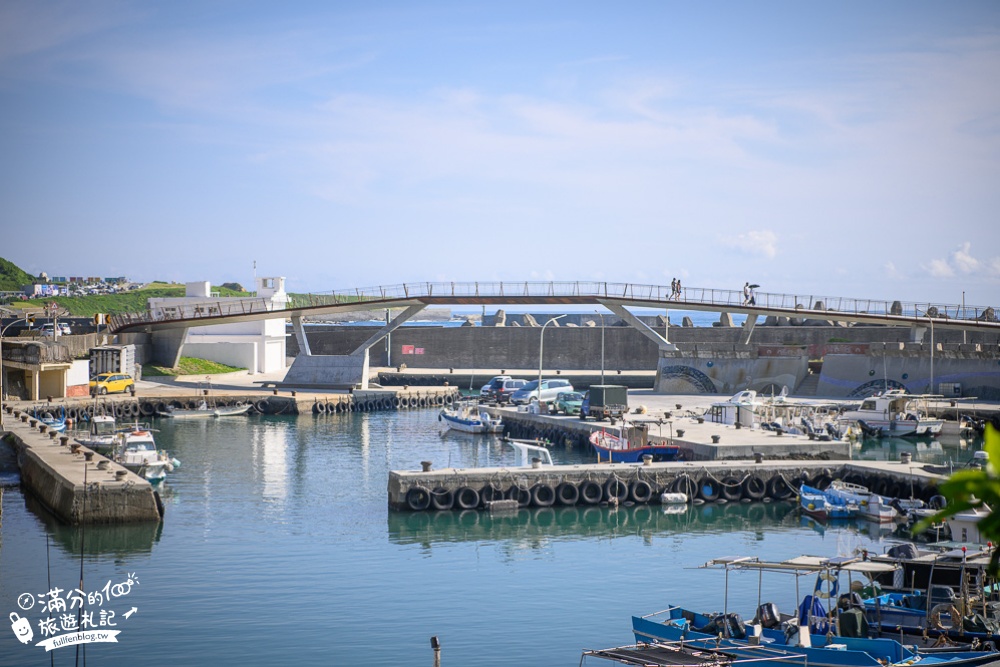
pixel 53 422
pixel 469 418
pixel 136 450
pixel 871 506
pixel 893 413
pixel 611 448
pixel 204 410
pixel 818 504
pixel 101 436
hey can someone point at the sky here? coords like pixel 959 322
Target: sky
pixel 845 149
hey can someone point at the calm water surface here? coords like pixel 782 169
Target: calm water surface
pixel 278 548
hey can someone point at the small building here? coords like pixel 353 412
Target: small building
pixel 258 346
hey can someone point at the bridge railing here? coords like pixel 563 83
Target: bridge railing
pixel 810 305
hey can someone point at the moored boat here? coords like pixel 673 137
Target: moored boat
pixel 893 413
pixel 136 450
pixel 818 504
pixel 469 418
pixel 204 410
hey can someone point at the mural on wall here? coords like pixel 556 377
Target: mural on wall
pixel 874 387
pixel 691 376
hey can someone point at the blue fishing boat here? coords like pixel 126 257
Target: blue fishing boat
pixel 815 635
pixel 823 506
pixel 50 419
pixel 611 448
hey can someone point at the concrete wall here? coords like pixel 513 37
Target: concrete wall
pixel 238 355
pixel 708 369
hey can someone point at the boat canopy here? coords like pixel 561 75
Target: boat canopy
pixel 803 564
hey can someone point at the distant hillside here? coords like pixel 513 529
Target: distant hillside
pixel 12 277
pixel 125 302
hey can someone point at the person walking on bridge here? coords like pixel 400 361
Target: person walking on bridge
pixel 747 292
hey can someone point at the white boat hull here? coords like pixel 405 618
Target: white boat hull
pixel 481 423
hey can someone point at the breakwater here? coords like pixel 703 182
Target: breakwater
pixel 724 481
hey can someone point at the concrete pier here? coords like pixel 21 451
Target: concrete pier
pixel 76 484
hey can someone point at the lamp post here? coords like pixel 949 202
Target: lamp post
pixel 541 343
pixel 601 315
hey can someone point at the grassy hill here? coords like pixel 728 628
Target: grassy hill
pixel 12 277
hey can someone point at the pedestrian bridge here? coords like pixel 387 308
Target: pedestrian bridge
pixel 171 323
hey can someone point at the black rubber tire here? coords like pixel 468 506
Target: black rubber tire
pixel 466 498
pixel 779 489
pixel 615 489
pixel 103 391
pixel 319 408
pixel 709 489
pixel 754 488
pixel 684 484
pixel 442 498
pixel 418 498
pixel 489 493
pixel 821 481
pixel 730 489
pixel 543 495
pixel 567 494
pixel 640 491
pixel 519 493
pixel 147 409
pixel 591 492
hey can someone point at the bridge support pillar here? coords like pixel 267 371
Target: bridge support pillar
pixel 748 327
pixel 300 335
pixel 332 371
pixel 167 346
pixel 619 309
pixel 917 332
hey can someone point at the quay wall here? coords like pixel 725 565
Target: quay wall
pixel 619 483
pixel 73 488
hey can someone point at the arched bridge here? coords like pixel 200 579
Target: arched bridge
pixel 169 324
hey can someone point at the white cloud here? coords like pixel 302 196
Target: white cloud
pixel 891 271
pixel 939 268
pixel 755 242
pixel 963 260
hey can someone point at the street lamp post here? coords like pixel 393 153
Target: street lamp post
pixel 601 315
pixel 541 343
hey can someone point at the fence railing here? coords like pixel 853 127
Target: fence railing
pixel 809 305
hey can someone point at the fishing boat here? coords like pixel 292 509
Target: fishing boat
pixel 53 422
pixel 101 435
pixel 826 630
pixel 136 450
pixel 871 506
pixel 893 413
pixel 818 504
pixel 469 418
pixel 630 444
pixel 204 410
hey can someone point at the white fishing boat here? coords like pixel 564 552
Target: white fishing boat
pixel 893 413
pixel 741 409
pixel 204 410
pixel 136 450
pixel 101 436
pixel 871 506
pixel 469 418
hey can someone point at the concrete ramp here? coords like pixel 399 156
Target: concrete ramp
pixel 329 371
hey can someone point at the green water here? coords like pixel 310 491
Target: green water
pixel 278 548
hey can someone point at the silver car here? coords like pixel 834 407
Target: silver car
pixel 529 393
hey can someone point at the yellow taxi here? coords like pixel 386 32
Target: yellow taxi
pixel 109 383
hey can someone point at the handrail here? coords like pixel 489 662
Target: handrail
pixel 809 305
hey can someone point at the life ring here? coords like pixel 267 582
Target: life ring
pixel 490 493
pixel 519 493
pixel 418 498
pixel 832 588
pixel 730 489
pixel 543 495
pixel 640 491
pixel 754 488
pixel 684 484
pixel 591 492
pixel 467 498
pixel 615 489
pixel 934 617
pixel 778 488
pixel 567 494
pixel 708 489
pixel 442 498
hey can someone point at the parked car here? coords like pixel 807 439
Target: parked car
pixel 110 383
pixel 48 330
pixel 486 393
pixel 605 401
pixel 568 402
pixel 503 394
pixel 530 392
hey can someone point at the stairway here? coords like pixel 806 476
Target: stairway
pixel 808 386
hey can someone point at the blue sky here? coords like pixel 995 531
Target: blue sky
pixel 845 148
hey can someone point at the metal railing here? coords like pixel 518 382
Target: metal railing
pixel 809 305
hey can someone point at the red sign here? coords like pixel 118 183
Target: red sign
pixel 407 349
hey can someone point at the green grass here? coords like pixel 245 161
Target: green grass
pixel 113 304
pixel 188 366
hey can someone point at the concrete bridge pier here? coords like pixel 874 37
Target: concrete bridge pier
pixel 340 371
pixel 167 345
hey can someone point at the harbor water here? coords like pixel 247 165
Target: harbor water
pixel 277 548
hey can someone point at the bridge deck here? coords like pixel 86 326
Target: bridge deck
pixel 871 311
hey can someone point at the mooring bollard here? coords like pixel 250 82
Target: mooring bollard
pixel 42 428
pixel 904 457
pixel 74 448
pixel 680 433
pixel 647 459
pixel 103 464
pixel 426 465
pixel 53 434
pixel 88 456
pixel 758 457
pixel 120 475
pixel 715 439
pixel 64 440
pixel 536 462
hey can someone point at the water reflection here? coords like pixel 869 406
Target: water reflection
pixel 924 450
pixel 588 522
pixel 113 539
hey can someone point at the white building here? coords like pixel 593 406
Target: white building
pixel 258 346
